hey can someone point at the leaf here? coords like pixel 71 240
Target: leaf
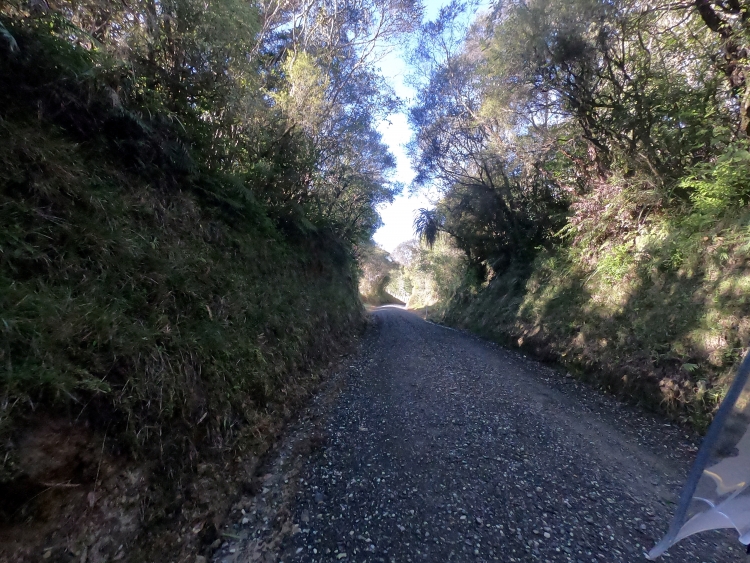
pixel 690 368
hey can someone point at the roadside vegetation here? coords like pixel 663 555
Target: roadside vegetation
pixel 188 192
pixel 376 270
pixel 426 277
pixel 184 189
pixel 593 162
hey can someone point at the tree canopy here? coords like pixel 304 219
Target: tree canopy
pixel 540 113
pixel 283 95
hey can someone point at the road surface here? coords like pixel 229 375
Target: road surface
pixel 443 447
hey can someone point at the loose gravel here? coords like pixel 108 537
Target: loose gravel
pixel 444 447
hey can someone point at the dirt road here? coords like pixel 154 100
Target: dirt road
pixel 443 447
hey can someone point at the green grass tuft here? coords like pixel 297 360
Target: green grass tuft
pixel 147 311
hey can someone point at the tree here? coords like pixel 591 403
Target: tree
pixel 284 94
pixel 376 270
pixel 321 61
pixel 492 192
pixel 543 104
pixel 729 22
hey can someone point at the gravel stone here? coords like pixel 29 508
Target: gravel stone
pixel 444 447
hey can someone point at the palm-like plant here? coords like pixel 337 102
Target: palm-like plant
pixel 427 226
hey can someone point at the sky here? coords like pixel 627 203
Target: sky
pixel 398 217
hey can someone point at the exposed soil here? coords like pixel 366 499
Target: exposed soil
pixel 444 447
pixel 76 500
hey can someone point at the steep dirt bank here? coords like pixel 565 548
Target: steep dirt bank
pixel 153 348
pixel 158 329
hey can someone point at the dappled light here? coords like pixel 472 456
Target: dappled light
pixel 199 335
pixel 597 186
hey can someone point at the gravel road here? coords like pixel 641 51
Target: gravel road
pixel 444 447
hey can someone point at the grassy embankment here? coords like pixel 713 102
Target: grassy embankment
pixel 659 314
pixel 157 320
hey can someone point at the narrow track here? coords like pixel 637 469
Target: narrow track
pixel 443 447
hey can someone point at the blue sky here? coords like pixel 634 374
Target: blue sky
pixel 399 215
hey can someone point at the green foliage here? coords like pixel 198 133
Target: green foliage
pixel 153 310
pixel 594 168
pixel 616 262
pixel 295 111
pixel 376 269
pixel 428 274
pixel 304 98
pixel 427 226
pixel 720 186
pixel 631 318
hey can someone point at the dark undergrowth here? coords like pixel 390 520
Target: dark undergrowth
pixel 159 323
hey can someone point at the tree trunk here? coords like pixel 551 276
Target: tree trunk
pixel 735 53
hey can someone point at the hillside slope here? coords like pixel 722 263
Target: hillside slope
pixel 592 160
pixel 159 321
